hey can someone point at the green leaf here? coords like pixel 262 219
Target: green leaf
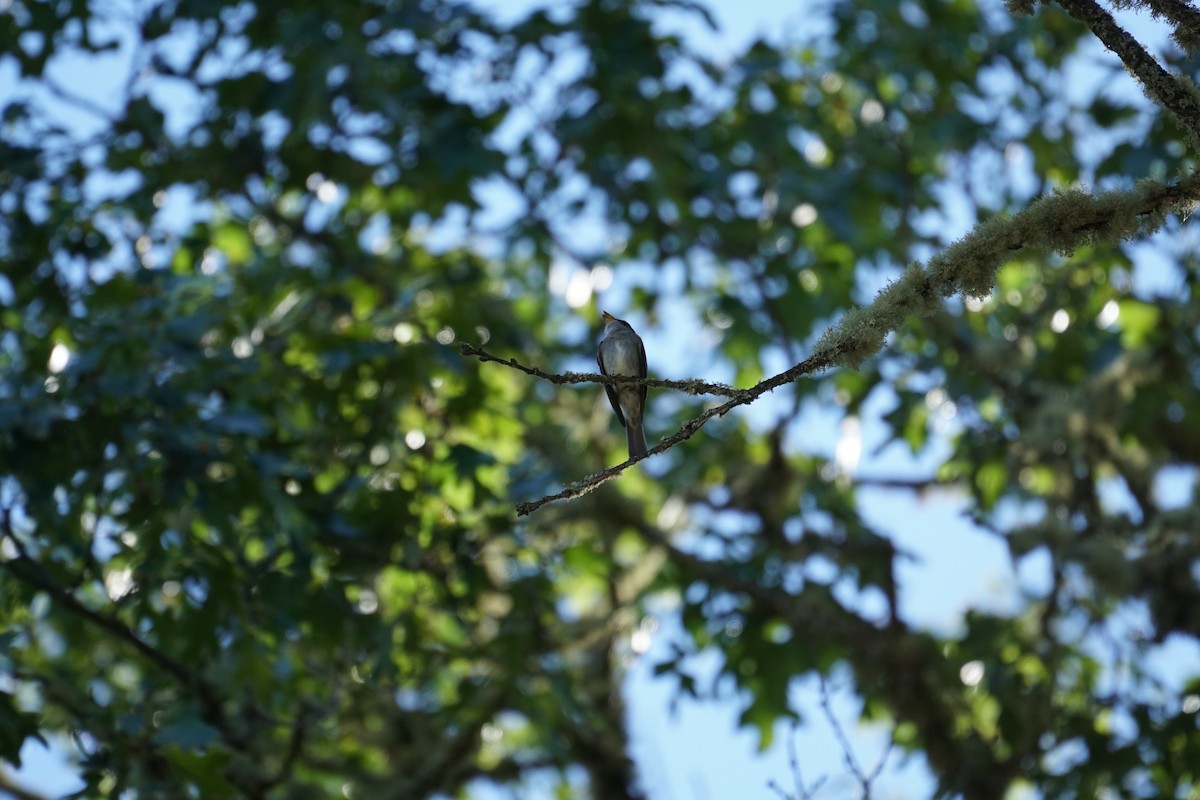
pixel 991 480
pixel 15 728
pixel 1138 321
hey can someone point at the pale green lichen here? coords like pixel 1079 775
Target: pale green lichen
pixel 1020 8
pixel 1060 223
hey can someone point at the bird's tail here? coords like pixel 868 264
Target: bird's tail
pixel 636 437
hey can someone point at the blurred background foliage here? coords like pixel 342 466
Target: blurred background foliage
pixel 256 510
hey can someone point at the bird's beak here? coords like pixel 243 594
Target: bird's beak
pixel 607 317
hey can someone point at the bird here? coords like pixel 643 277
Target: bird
pixel 621 352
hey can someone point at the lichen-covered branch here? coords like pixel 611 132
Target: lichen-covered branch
pixel 695 387
pixel 1177 96
pixel 814 363
pixel 1185 18
pixel 1059 223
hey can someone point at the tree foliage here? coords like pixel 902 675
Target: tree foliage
pixel 257 511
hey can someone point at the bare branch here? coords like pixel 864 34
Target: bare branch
pixel 83 103
pixel 865 779
pixel 840 735
pixel 802 792
pixel 811 364
pixel 10 788
pixel 918 485
pixel 688 387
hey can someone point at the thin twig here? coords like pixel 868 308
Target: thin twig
pixel 967 267
pixel 802 792
pixel 811 364
pixel 839 734
pixel 918 485
pixel 29 571
pixel 883 757
pixel 10 788
pixel 903 665
pixel 300 727
pixel 864 779
pixel 688 387
pixel 83 103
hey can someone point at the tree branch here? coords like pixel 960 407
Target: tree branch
pixel 865 779
pixel 29 571
pixel 300 728
pixel 1163 88
pixel 436 771
pixel 811 364
pixel 1058 222
pixel 907 667
pixel 1184 17
pixel 83 103
pixel 802 792
pixel 688 387
pixel 10 788
pixel 918 485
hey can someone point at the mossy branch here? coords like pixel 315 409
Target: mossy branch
pixel 694 387
pixel 812 364
pixel 1179 96
pixel 1183 17
pixel 1058 223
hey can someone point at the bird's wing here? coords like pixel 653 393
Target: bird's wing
pixel 609 390
pixel 642 365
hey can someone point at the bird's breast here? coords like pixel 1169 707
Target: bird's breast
pixel 620 356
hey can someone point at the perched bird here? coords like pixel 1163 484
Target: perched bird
pixel 621 352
